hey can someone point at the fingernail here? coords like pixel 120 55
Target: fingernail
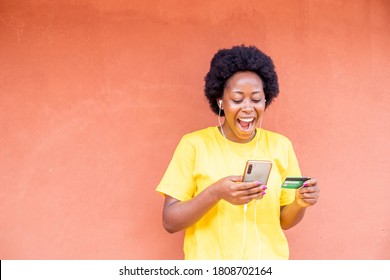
pixel 265 187
pixel 259 183
pixel 263 193
pixel 305 184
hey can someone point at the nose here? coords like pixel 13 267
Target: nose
pixel 247 106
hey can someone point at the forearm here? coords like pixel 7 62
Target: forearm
pixel 291 215
pixel 179 215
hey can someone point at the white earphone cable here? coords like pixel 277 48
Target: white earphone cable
pixel 245 205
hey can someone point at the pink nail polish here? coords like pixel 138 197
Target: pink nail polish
pixel 263 193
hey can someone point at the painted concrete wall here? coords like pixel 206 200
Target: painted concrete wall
pixel 94 97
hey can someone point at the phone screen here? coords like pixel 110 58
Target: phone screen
pixel 257 170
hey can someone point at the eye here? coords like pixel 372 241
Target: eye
pixel 237 101
pixel 257 100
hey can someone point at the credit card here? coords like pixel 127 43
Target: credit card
pixel 294 182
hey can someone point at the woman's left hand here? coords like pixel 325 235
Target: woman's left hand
pixel 308 194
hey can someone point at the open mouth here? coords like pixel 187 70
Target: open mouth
pixel 246 124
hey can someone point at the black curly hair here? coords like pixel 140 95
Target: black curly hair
pixel 227 62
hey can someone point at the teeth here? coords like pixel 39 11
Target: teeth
pixel 246 119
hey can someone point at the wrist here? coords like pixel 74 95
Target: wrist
pixel 213 193
pixel 300 203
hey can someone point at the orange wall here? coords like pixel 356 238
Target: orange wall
pixel 94 98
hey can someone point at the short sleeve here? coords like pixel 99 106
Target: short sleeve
pixel 291 169
pixel 178 180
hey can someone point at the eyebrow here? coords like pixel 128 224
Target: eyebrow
pixel 254 92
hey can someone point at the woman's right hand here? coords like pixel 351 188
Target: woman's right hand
pixel 178 215
pixel 236 192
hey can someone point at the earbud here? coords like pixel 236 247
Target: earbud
pixel 220 103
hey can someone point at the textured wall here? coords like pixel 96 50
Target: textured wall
pixel 94 98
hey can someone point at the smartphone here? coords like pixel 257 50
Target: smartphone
pixel 294 182
pixel 257 170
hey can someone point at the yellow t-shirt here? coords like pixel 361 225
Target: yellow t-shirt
pixel 226 231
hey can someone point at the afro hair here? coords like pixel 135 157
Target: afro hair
pixel 227 62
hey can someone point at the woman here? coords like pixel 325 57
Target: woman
pixel 226 218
